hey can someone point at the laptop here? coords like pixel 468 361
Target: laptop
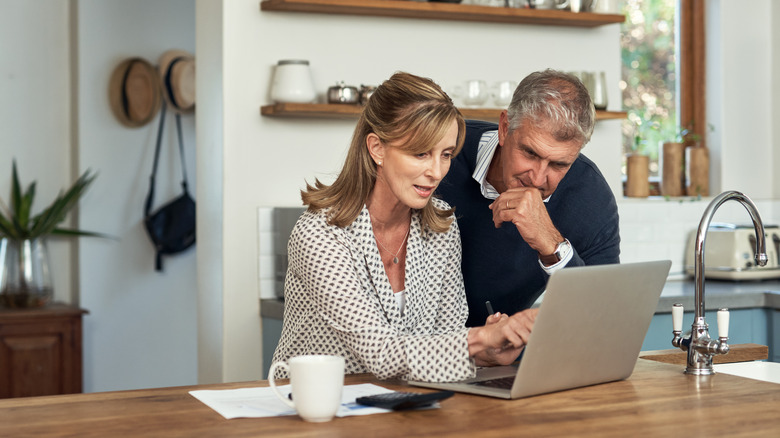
pixel 589 330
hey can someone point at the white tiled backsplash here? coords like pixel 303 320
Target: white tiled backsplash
pixel 650 229
pixel 265 259
pixel 653 229
pixel 274 227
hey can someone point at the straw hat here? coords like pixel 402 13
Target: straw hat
pixel 177 77
pixel 134 92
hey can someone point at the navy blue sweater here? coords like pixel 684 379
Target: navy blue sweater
pixel 497 263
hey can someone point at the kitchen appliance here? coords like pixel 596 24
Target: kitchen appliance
pixel 729 252
pixel 341 93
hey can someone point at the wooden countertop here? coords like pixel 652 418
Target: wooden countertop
pixel 657 400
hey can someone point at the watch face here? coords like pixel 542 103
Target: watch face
pixel 562 250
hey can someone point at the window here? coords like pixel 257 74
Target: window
pixel 663 81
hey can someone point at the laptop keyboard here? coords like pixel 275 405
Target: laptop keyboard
pixel 501 382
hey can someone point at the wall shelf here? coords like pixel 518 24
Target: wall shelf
pixel 444 11
pixel 348 111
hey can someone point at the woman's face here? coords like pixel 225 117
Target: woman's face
pixel 412 179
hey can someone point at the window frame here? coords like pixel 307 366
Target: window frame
pixel 692 76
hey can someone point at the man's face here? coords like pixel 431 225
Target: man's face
pixel 532 157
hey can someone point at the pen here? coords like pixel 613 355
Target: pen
pixel 489 308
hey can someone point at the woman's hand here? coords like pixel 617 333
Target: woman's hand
pixel 496 317
pixel 502 338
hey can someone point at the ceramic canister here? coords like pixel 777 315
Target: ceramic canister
pixel 292 82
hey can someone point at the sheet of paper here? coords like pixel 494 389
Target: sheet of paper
pixel 262 402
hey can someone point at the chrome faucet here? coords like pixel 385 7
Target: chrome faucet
pixel 700 347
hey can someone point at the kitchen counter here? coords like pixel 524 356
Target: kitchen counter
pixel 754 306
pixel 717 294
pixel 657 400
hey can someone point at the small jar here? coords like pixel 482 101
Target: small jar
pixel 292 82
pixel 365 93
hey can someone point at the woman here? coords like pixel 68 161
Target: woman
pixel 374 263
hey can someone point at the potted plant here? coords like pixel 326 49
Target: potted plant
pixel 25 280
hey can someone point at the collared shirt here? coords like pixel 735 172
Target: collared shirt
pixel 486 149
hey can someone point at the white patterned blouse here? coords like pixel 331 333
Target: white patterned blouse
pixel 338 300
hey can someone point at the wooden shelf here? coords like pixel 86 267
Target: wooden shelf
pixel 444 11
pixel 349 111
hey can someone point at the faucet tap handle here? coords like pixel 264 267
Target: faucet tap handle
pixel 677 317
pixel 723 323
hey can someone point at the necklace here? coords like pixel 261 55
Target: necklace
pixel 403 242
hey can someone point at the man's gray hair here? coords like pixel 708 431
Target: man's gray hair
pixel 555 101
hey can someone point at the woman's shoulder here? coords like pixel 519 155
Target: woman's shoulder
pixel 311 222
pixel 314 226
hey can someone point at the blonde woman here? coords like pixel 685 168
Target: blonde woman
pixel 374 263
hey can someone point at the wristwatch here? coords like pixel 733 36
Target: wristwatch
pixel 561 251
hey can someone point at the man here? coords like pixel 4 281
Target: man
pixel 527 202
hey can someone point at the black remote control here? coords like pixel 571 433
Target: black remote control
pixel 403 400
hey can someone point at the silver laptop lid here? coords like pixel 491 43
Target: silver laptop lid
pixel 590 326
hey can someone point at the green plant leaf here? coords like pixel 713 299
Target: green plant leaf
pixel 66 232
pixel 7 229
pixel 16 223
pixel 25 206
pixel 45 222
pixel 16 195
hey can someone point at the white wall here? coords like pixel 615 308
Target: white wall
pixel 35 111
pixel 739 68
pixel 210 133
pixel 774 93
pixel 141 328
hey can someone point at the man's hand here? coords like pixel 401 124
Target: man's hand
pixel 525 208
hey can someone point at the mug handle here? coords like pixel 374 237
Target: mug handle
pixel 272 381
pixel 562 5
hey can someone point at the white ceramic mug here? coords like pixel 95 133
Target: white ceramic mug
pixel 316 382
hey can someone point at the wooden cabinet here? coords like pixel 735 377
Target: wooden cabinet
pixel 40 351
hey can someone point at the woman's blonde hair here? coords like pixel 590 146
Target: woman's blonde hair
pixel 406 107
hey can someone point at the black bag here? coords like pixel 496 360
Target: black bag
pixel 172 227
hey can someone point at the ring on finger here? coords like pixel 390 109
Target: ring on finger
pixel 507 205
